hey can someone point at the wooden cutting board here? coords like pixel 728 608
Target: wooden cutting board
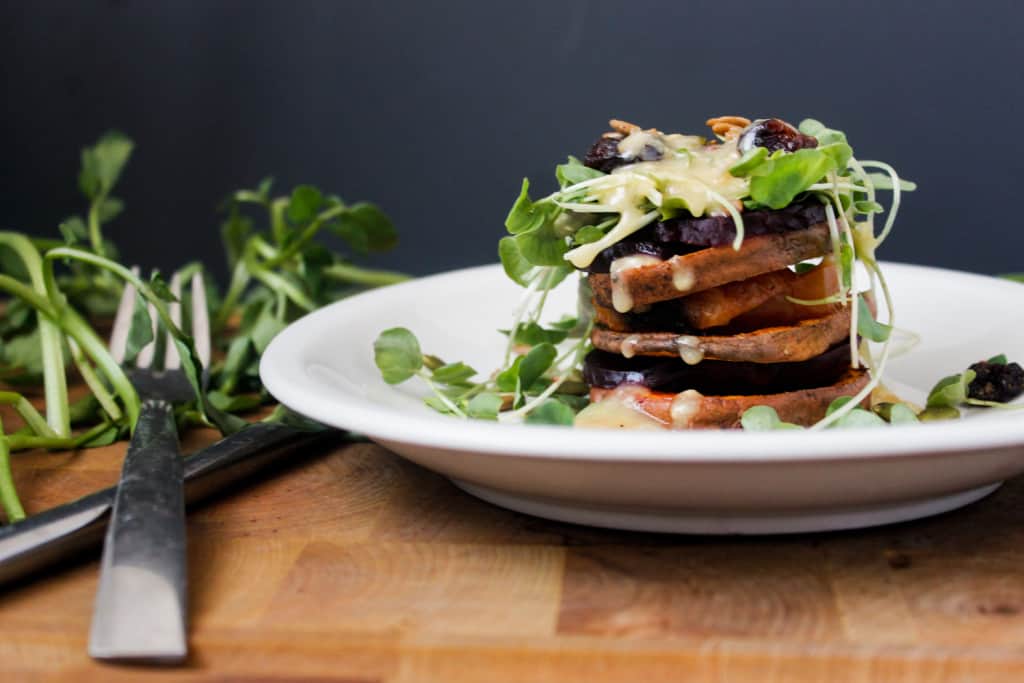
pixel 354 565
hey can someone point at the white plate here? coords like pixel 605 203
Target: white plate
pixel 697 482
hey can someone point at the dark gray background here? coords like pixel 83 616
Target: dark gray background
pixel 437 110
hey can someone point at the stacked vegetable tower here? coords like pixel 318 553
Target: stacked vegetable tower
pixel 706 302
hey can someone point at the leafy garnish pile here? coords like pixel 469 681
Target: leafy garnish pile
pixel 59 292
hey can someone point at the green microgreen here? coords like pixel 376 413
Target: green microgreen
pixel 57 289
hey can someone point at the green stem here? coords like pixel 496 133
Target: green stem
pixel 28 413
pixel 8 494
pixel 347 272
pixel 125 274
pixel 77 329
pixel 239 280
pixel 96 350
pixel 278 227
pixel 277 283
pixel 307 234
pixel 51 341
pixel 95 237
pixel 94 383
pixel 26 442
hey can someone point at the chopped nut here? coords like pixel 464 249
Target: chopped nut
pixel 728 127
pixel 624 127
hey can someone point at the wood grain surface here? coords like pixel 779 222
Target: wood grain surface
pixel 354 565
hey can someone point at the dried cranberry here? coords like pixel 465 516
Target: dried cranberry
pixel 774 134
pixel 996 382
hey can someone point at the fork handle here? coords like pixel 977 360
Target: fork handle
pixel 141 602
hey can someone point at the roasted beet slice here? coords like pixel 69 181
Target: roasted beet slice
pixel 607 370
pixel 686 234
pixel 1000 382
pixel 604 154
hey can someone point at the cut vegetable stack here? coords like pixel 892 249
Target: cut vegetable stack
pixel 699 317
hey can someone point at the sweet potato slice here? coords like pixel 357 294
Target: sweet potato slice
pixel 697 271
pixel 803 340
pixel 691 410
pixel 711 308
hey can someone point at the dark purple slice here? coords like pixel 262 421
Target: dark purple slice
pixel 715 378
pixel 686 234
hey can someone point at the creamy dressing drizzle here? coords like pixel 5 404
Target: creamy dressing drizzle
pixel 682 276
pixel 690 349
pixel 618 410
pixel 628 346
pixel 684 407
pixel 690 176
pixel 622 297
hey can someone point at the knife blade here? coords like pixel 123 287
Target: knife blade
pixel 44 538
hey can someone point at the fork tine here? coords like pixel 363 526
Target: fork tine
pixel 172 360
pixel 118 343
pixel 146 353
pixel 200 319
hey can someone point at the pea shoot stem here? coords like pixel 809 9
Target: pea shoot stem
pixel 8 493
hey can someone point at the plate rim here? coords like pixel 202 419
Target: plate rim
pixel 281 371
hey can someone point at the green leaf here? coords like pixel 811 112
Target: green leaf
pixel 858 417
pixel 140 332
pixel 788 176
pixel 587 234
pixel 266 328
pixel 867 207
pixel 838 151
pixel 535 363
pixel 74 230
pixel 902 414
pixel 102 164
pixel 836 404
pixel 1001 359
pixel 304 204
pixel 939 413
pixel 846 256
pixel 950 391
pixel 526 215
pixel 763 419
pixel 532 334
pixel 508 379
pixel 867 326
pixel 1016 277
pixel 453 373
pixel 804 267
pixel 542 246
pixel 437 404
pixel 366 228
pixel 160 288
pixel 236 403
pixel 812 127
pixel 551 412
pixel 263 189
pixel 573 172
pixel 484 406
pixel 85 410
pixel 106 437
pixel 110 209
pixel 749 161
pixel 22 353
pixel 234 233
pixel 516 267
pixel 397 354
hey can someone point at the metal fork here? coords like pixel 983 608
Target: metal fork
pixel 141 603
